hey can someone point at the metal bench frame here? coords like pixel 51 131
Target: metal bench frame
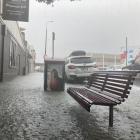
pixel 106 88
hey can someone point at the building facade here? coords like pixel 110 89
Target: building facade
pixel 14 53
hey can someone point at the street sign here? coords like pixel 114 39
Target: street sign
pixel 16 10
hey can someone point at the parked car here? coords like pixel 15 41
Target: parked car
pixel 111 68
pixel 134 66
pixel 79 67
pixel 116 67
pixel 77 53
pixel 103 68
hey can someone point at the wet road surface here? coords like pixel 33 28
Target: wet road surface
pixel 29 113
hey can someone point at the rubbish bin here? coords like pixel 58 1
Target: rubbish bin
pixel 54 71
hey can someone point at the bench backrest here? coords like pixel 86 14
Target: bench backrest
pixel 113 83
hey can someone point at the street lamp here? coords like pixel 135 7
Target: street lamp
pixel 53 38
pixel 46 37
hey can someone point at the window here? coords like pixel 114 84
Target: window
pixel 12 53
pixel 81 60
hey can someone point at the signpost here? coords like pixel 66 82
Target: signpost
pixel 16 10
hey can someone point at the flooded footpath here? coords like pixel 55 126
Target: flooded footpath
pixel 29 113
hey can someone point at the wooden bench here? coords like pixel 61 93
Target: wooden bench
pixel 106 88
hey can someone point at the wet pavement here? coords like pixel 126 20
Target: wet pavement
pixel 29 113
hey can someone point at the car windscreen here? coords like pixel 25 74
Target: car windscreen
pixel 80 60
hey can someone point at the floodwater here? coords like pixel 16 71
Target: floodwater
pixel 29 113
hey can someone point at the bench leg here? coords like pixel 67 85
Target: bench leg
pixel 111 116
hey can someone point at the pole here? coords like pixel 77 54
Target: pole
pixel 103 62
pixel 115 59
pixel 46 40
pixel 53 38
pixel 126 51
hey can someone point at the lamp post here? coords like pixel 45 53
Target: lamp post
pixel 46 38
pixel 53 38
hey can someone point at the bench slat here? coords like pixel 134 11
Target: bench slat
pixel 97 84
pixel 115 88
pixel 99 77
pixel 98 80
pixel 117 93
pixel 121 77
pixel 82 102
pixel 117 84
pixel 118 81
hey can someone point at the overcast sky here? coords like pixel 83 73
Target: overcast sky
pixel 91 25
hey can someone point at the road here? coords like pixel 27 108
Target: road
pixel 29 113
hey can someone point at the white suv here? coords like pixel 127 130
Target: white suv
pixel 79 67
